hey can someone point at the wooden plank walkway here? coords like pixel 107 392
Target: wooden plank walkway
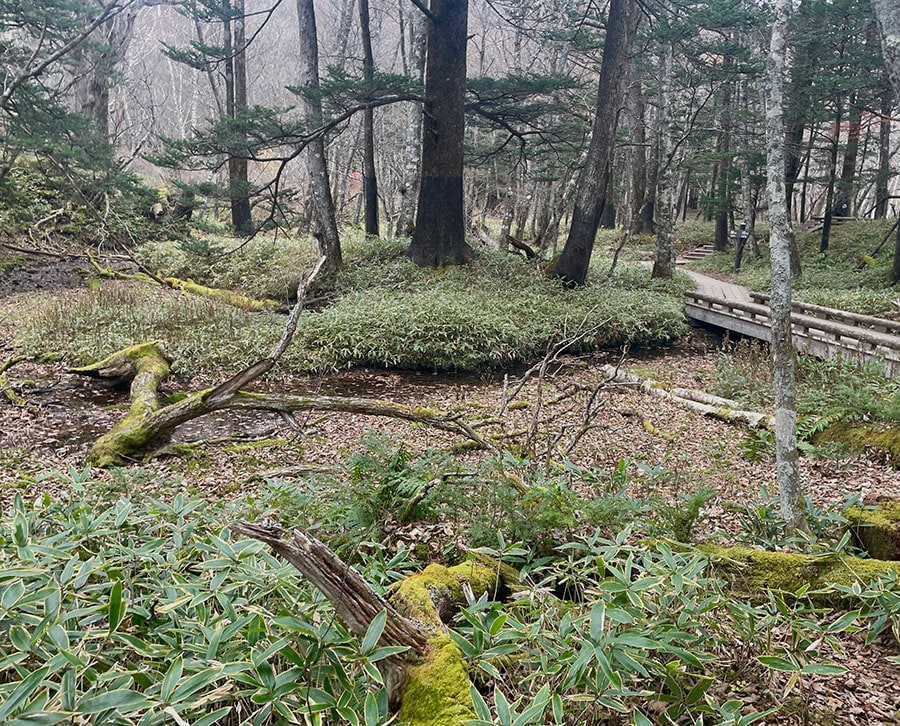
pixel 822 332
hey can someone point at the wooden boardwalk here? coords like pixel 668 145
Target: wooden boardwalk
pixel 819 331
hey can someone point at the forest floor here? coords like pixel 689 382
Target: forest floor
pixel 668 450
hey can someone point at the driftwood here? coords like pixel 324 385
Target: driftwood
pixel 428 684
pixel 705 403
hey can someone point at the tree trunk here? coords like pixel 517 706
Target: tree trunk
pixel 236 103
pixel 370 181
pixel 783 353
pixel 832 176
pixel 664 262
pixel 409 190
pixel 884 155
pixel 638 156
pixel 621 26
pixel 439 236
pixel 326 231
pixel 723 193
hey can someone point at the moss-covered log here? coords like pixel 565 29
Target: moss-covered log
pixel 877 530
pixel 222 295
pixel 147 424
pixel 752 572
pixel 430 683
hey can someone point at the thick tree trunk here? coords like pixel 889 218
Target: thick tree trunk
pixel 326 231
pixel 439 236
pixel 370 181
pixel 783 353
pixel 621 25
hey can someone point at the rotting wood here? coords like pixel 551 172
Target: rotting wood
pixel 705 403
pixel 428 684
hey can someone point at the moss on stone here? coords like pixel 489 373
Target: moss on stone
pixel 877 530
pixel 437 690
pixel 753 571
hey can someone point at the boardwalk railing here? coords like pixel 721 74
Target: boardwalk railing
pixel 818 331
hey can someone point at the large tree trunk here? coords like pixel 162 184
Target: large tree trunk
pixel 638 156
pixel 439 236
pixel 326 230
pixel 783 353
pixel 370 181
pixel 572 265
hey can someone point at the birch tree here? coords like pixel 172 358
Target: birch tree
pixel 783 354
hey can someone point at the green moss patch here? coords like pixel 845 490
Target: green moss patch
pixel 877 530
pixel 437 690
pixel 859 437
pixel 753 572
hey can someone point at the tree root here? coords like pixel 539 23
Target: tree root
pixel 429 683
pixel 705 403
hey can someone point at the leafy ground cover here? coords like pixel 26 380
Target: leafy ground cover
pixel 385 312
pixel 618 620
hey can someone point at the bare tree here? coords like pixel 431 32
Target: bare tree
pixel 326 230
pixel 783 353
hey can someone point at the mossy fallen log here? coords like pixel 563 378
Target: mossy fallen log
pixel 222 295
pixel 877 530
pixel 752 572
pixel 148 423
pixel 429 684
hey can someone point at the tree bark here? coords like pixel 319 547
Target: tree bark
pixel 439 236
pixel 783 353
pixel 236 103
pixel 370 181
pixel 572 265
pixel 664 262
pixel 413 142
pixel 326 231
pixel 884 155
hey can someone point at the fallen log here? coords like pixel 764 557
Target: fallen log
pixel 428 684
pixel 705 403
pixel 222 295
pixel 149 424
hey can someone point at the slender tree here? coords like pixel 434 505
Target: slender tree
pixel 664 262
pixel 370 181
pixel 888 14
pixel 783 354
pixel 326 231
pixel 621 24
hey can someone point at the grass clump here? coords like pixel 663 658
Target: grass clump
pixel 384 312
